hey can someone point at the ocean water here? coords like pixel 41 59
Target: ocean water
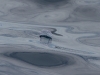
pixel 75 32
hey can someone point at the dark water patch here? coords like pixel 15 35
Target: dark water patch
pixel 20 33
pixel 42 59
pixel 90 40
pixel 87 13
pixel 8 35
pixel 51 2
pixel 24 11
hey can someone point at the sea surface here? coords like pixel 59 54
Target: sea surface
pixel 75 32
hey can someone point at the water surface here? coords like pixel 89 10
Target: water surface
pixel 75 32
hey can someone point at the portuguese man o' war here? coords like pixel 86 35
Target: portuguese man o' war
pixel 45 36
pixel 49 37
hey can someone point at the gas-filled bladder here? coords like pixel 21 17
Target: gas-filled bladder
pixel 45 36
pixel 45 39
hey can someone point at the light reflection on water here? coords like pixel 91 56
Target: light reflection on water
pixel 75 32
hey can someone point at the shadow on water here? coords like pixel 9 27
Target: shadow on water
pixel 42 59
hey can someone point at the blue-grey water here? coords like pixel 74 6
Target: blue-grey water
pixel 75 32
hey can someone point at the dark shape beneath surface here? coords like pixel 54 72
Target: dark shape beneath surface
pixel 50 2
pixel 41 59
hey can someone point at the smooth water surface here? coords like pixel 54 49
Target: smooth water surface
pixel 75 31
